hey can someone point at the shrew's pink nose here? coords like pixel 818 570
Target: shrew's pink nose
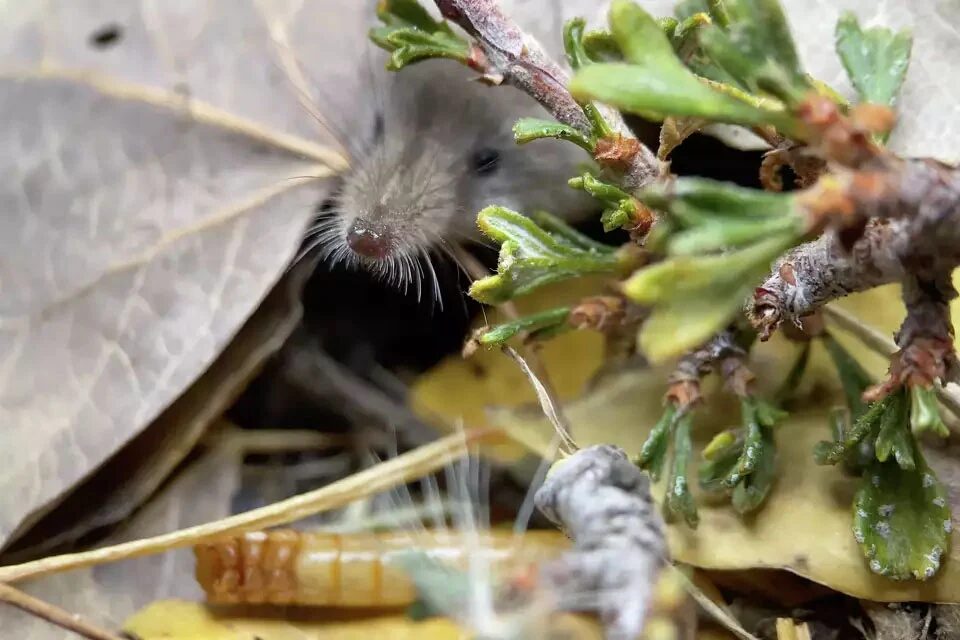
pixel 369 240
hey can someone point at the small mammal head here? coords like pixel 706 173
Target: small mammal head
pixel 438 148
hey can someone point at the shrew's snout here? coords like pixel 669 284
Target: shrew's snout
pixel 369 239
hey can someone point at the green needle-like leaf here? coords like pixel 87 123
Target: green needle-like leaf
pixel 875 59
pixel 615 218
pixel 721 461
pixel 563 232
pixel 656 83
pixel 853 377
pixel 863 429
pixel 683 36
pixel 408 13
pixel 757 49
pixel 604 192
pixel 496 336
pixel 573 43
pixel 758 418
pixel 744 460
pixel 856 459
pixel 578 57
pixel 654 451
pixel 901 520
pixel 925 413
pixel 709 215
pixel 668 25
pixel 530 257
pixel 717 198
pixel 530 129
pixel 718 235
pixel 694 297
pixel 894 436
pixel 620 207
pixel 716 9
pixel 678 502
pixel 753 489
pixel 601 47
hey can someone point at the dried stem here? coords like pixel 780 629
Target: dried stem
pixel 515 57
pixel 548 403
pixel 404 468
pixel 53 615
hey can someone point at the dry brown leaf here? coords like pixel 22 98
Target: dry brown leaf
pixel 108 594
pixel 137 470
pixel 178 620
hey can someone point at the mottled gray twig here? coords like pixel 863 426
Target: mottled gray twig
pixel 815 273
pixel 912 209
pixel 603 502
pixel 515 57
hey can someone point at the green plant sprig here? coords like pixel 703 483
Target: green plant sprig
pixel 901 518
pixel 743 461
pixel 671 433
pixel 545 323
pixel 531 257
pixel 411 35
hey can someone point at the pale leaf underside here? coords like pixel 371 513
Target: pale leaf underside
pixel 155 189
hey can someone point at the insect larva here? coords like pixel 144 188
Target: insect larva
pixel 355 570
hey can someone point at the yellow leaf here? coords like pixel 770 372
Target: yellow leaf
pixel 180 620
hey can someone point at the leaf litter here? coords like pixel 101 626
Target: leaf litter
pixel 238 127
pixel 146 193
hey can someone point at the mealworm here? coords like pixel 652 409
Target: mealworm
pixel 290 567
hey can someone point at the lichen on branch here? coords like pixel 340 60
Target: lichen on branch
pixel 603 503
pixel 904 217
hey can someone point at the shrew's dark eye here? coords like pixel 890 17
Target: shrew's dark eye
pixel 485 161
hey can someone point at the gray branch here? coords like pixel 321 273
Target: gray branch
pixel 912 210
pixel 603 502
